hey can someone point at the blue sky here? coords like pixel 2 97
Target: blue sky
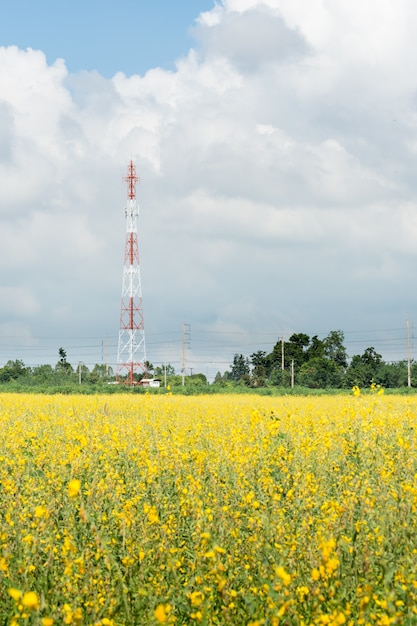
pixel 277 160
pixel 129 36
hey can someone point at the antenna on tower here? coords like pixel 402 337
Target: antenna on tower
pixel 131 353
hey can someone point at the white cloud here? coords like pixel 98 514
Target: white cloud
pixel 18 301
pixel 252 38
pixel 277 167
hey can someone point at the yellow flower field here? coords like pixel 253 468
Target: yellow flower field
pixel 149 509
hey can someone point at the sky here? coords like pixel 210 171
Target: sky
pixel 276 144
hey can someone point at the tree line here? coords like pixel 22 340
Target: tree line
pixel 302 361
pixel 64 378
pixel 316 364
pixel 63 373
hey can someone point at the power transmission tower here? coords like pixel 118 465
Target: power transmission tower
pixel 131 353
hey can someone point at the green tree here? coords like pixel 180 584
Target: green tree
pixel 320 373
pixel 315 349
pixel 63 366
pixel 82 372
pixel 364 368
pixel 325 362
pixel 294 350
pixel 221 380
pixel 161 370
pixel 259 362
pixel 334 348
pixel 43 373
pixel 280 377
pixel 13 370
pixel 393 375
pixel 240 367
pixel 274 359
pixel 100 371
pixel 297 350
pixel 218 377
pixel 198 379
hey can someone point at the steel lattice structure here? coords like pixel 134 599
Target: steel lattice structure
pixel 131 353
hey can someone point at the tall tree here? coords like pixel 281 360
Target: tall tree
pixel 259 362
pixel 315 350
pixel 334 348
pixel 240 367
pixel 63 365
pixel 296 350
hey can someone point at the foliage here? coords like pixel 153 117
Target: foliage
pixel 334 349
pixel 125 510
pixel 320 373
pixel 239 368
pixel 63 366
pixel 364 368
pixel 12 371
pixel 300 349
pixel 309 362
pixel 166 370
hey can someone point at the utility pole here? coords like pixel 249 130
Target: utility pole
pixel 408 354
pixel 282 353
pixel 185 339
pixel 292 372
pixel 79 372
pixel 107 356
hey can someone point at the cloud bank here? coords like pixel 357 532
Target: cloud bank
pixel 277 194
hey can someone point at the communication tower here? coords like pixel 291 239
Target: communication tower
pixel 131 353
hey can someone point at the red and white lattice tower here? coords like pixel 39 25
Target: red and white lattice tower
pixel 131 353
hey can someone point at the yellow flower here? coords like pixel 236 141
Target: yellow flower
pixel 302 592
pixel 74 487
pixel 40 511
pixel 68 614
pixel 315 574
pixel 196 598
pixel 283 575
pixel 327 548
pixel 15 593
pixel 210 554
pixel 161 612
pixel 332 565
pixel 47 621
pixel 30 600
